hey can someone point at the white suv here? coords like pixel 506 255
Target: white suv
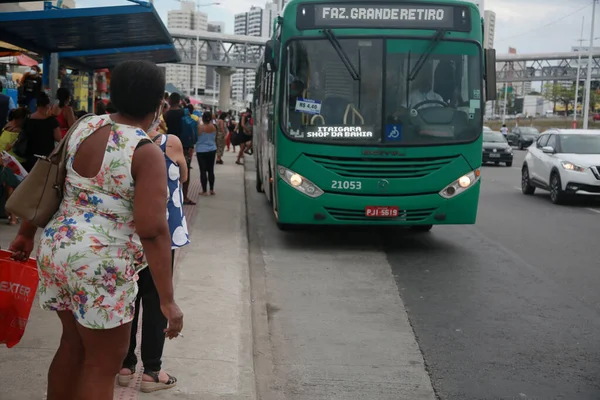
pixel 565 162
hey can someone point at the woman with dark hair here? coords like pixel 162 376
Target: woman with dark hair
pixel 12 130
pixel 100 108
pixel 206 150
pixel 110 226
pixel 63 111
pixel 221 129
pixel 244 137
pixel 40 133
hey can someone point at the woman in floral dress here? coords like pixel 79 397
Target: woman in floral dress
pixel 109 226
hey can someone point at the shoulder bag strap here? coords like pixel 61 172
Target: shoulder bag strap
pixel 59 155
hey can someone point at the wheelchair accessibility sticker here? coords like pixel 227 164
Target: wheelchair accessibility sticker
pixel 393 132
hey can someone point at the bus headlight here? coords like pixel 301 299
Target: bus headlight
pixel 461 184
pixel 299 182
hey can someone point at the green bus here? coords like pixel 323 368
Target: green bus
pixel 371 113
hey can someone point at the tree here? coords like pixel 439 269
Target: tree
pixel 567 97
pixel 594 99
pixel 552 93
pixel 557 93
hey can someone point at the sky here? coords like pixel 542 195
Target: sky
pixel 530 26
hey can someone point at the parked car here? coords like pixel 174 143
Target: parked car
pixel 566 162
pixel 496 149
pixel 522 137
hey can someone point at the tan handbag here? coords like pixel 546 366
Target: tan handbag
pixel 38 197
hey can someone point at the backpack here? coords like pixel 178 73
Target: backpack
pixel 189 130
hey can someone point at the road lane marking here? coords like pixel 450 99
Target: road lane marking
pixel 518 188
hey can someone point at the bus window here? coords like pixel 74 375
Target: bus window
pixel 434 98
pixel 317 73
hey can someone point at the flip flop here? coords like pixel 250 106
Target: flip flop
pixel 189 203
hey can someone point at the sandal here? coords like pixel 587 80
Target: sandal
pixel 149 387
pixel 189 203
pixel 123 379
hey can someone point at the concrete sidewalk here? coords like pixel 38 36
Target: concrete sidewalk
pixel 214 358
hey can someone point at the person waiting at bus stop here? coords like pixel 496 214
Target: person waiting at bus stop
pixel 244 136
pixel 30 88
pixel 111 224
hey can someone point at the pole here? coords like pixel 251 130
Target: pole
pixel 588 80
pixel 577 81
pixel 197 46
pixel 214 85
pixel 505 101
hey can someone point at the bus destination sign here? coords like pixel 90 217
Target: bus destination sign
pixel 391 16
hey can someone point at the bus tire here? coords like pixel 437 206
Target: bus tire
pixel 421 228
pixel 259 185
pixel 283 227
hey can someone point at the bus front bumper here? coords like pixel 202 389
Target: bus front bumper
pixel 348 209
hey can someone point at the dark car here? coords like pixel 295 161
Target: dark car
pixel 522 137
pixel 496 149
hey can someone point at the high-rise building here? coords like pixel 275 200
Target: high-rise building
pixel 256 22
pixel 489 29
pixel 185 77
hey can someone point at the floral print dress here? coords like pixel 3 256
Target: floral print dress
pixel 89 254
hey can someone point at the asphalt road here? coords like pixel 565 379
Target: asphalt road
pixel 505 309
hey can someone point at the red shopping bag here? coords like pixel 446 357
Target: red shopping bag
pixel 18 284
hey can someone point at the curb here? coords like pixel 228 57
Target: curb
pixel 264 368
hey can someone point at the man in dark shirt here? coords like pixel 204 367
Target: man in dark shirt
pixel 173 120
pixel 31 87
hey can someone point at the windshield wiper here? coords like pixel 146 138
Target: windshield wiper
pixel 342 54
pixel 435 39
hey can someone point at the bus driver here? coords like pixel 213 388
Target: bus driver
pixel 422 89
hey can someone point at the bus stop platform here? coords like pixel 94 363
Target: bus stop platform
pixel 214 359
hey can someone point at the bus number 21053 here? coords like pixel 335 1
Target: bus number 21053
pixel 348 185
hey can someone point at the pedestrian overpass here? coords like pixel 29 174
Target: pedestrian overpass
pixel 243 52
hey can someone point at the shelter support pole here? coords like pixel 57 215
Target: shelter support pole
pixel 53 75
pixel 225 86
pixel 46 72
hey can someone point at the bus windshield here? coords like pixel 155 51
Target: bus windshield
pixel 362 93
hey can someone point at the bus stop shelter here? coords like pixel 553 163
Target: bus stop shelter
pixel 90 38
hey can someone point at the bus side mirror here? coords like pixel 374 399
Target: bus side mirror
pixel 490 74
pixel 271 55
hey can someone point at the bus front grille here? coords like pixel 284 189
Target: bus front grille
pixel 347 214
pixel 382 167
